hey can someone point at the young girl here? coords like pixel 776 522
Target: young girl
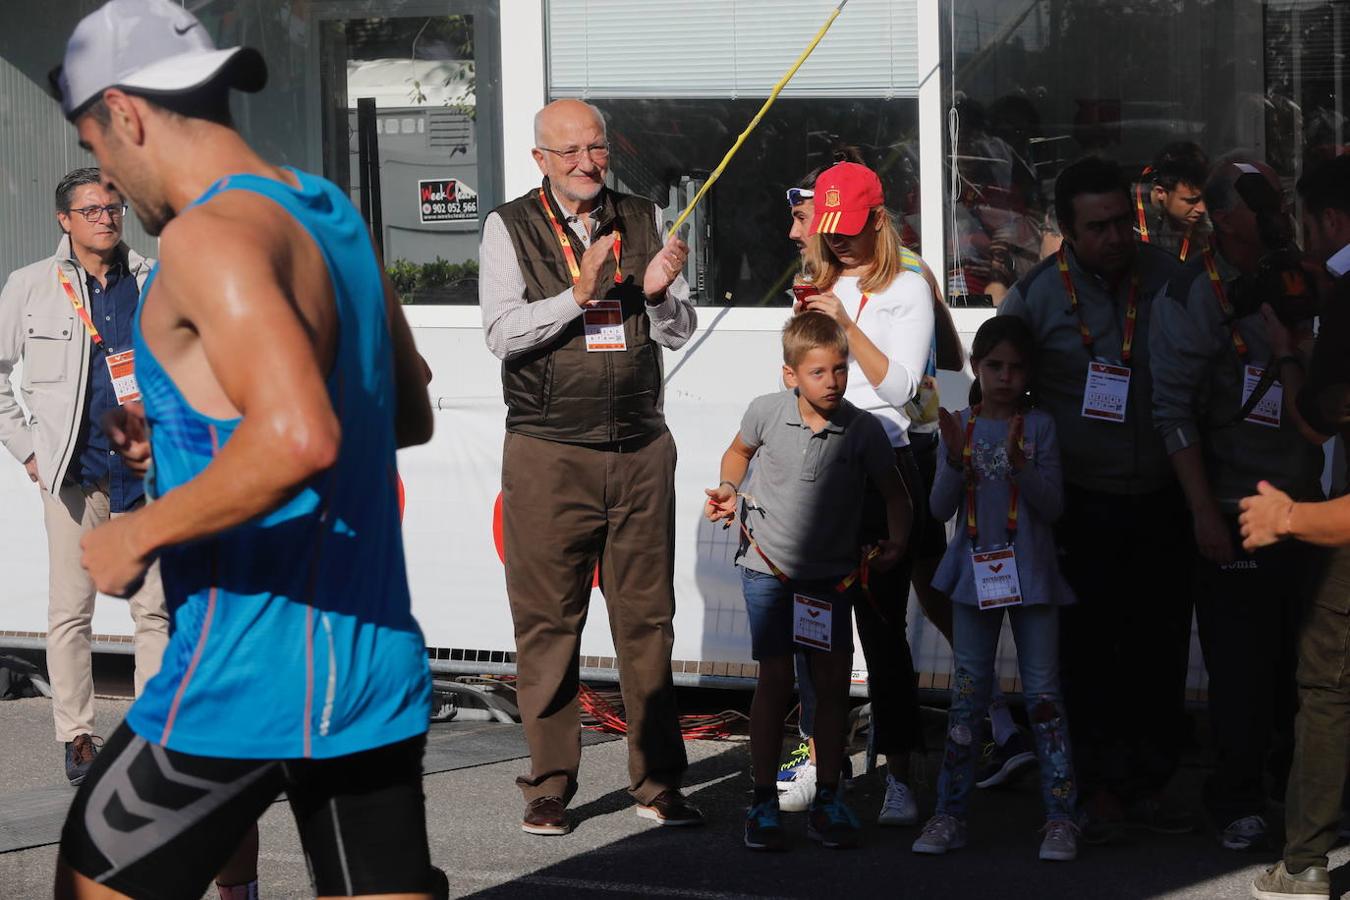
pixel 876 291
pixel 999 474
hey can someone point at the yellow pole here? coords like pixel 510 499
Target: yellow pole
pixel 773 95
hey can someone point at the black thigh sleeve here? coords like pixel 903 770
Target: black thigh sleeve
pixel 152 823
pixel 362 820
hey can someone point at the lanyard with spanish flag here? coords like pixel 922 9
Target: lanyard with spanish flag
pixel 972 482
pixel 1221 295
pixel 862 304
pixel 80 309
pixel 1131 308
pixel 566 243
pixel 1185 250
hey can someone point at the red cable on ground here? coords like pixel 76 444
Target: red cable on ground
pixel 604 712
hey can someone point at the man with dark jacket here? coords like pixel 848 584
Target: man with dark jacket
pixel 579 294
pixel 67 319
pixel 1215 335
pixel 1123 550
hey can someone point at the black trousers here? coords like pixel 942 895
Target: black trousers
pixel 1248 613
pixel 892 685
pixel 1124 646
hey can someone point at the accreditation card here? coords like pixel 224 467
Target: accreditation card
pixel 996 581
pixel 811 622
pixel 1268 409
pixel 1107 392
pixel 122 371
pixel 603 321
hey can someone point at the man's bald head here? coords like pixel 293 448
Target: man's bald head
pixel 572 151
pixel 562 116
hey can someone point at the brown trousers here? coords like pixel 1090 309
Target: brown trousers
pixel 565 507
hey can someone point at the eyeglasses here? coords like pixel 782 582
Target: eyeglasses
pixel 597 152
pixel 93 213
pixel 798 196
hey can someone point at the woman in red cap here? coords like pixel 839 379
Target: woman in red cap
pixel 873 287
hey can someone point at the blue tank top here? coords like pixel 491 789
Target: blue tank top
pixel 292 635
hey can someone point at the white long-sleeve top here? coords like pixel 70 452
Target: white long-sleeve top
pixel 899 320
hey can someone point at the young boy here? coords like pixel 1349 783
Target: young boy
pixel 815 454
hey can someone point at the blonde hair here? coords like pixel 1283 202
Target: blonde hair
pixel 807 331
pixel 886 265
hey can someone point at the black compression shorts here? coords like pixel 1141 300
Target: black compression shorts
pixel 154 823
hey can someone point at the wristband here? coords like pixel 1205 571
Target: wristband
pixel 734 488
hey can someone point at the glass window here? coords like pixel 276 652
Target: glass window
pixel 676 101
pixel 1034 85
pixel 739 249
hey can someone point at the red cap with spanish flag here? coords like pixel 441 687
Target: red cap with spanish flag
pixel 845 194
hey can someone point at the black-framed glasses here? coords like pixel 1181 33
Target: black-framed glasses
pixel 92 214
pixel 597 152
pixel 798 196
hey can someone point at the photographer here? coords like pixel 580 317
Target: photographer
pixel 1322 726
pixel 1226 427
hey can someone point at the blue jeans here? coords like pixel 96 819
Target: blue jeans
pixel 976 633
pixel 769 604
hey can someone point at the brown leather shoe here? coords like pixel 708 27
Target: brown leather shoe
pixel 670 808
pixel 80 755
pixel 546 815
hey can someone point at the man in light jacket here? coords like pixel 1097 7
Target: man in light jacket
pixel 68 320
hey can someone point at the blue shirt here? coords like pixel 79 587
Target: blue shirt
pixel 113 309
pixel 293 634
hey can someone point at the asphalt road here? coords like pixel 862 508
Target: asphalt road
pixel 475 836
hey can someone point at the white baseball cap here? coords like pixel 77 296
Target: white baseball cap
pixel 148 47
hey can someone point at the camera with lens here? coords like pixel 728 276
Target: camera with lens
pixel 1280 279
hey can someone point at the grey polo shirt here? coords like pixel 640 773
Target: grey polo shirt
pixel 808 487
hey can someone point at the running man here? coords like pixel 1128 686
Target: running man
pixel 279 377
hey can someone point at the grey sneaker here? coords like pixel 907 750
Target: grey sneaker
pixel 940 834
pixel 1060 843
pixel 1244 833
pixel 899 807
pixel 1276 883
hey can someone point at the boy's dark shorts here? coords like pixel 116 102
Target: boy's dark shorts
pixel 769 603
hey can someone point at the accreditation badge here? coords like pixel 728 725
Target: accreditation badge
pixel 603 321
pixel 1271 405
pixel 1107 392
pixel 811 622
pixel 122 371
pixel 996 581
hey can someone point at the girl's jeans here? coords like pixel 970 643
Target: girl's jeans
pixel 976 633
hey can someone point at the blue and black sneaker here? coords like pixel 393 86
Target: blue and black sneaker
pixel 831 821
pixel 764 827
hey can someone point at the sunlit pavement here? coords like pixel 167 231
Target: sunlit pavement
pixel 474 823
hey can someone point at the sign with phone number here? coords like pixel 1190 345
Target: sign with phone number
pixel 446 200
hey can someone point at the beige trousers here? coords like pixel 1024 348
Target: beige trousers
pixel 70 611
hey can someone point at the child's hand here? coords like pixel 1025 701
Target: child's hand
pixel 887 555
pixel 952 435
pixel 721 504
pixel 1017 451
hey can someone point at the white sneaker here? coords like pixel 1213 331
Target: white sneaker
pixel 799 794
pixel 899 807
pixel 942 833
pixel 1061 841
